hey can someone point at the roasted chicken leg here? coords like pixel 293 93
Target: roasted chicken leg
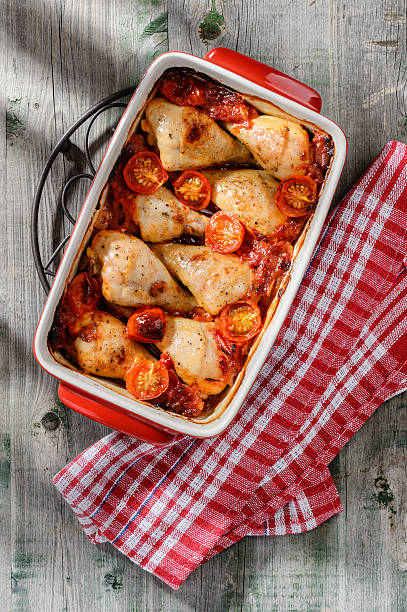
pixel 279 145
pixel 132 275
pixel 214 279
pixel 192 347
pixel 160 216
pixel 188 138
pixel 102 348
pixel 249 194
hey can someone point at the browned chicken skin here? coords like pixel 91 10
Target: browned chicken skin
pixel 249 194
pixel 160 216
pixel 132 275
pixel 188 138
pixel 192 347
pixel 213 279
pixel 278 145
pixel 102 347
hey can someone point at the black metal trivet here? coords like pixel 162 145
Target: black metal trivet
pixel 65 146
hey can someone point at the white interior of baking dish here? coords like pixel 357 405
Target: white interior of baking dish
pixel 111 392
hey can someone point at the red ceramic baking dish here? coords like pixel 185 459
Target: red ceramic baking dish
pixel 101 399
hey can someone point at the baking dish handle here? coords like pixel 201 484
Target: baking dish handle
pixel 265 76
pixel 113 417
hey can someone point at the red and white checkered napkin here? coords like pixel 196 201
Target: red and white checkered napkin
pixel 341 352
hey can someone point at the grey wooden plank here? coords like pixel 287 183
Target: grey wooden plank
pixel 5 519
pixel 30 489
pixel 374 539
pixel 5 490
pixel 48 547
pixel 61 58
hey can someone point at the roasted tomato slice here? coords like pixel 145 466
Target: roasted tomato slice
pixel 144 172
pixel 224 232
pixel 225 105
pixel 83 294
pixel 240 321
pixel 184 90
pixel 218 102
pixel 147 325
pixel 193 189
pixel 296 195
pixel 147 379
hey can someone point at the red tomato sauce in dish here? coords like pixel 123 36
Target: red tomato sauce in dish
pixel 269 258
pixel 175 285
pixel 120 199
pixel 179 397
pixel 321 151
pixel 220 103
pixel 81 297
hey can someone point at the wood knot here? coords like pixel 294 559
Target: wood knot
pixel 113 580
pixel 50 421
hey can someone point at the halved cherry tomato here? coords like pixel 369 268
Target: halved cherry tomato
pixel 225 105
pixel 224 232
pixel 83 294
pixel 240 321
pixel 147 379
pixel 147 324
pixel 184 90
pixel 296 195
pixel 193 189
pixel 144 172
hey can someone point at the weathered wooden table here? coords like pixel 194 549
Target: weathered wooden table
pixel 61 57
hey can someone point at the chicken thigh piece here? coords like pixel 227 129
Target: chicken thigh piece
pixel 188 138
pixel 279 145
pixel 214 279
pixel 193 349
pixel 160 216
pixel 102 348
pixel 132 275
pixel 249 194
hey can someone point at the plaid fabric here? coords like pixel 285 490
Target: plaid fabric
pixel 340 354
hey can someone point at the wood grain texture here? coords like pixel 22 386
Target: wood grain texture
pixel 60 58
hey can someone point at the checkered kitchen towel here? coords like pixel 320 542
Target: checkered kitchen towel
pixel 341 352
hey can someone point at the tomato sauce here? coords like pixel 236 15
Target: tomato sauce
pixel 218 102
pixel 120 201
pixel 290 229
pixel 321 151
pixel 82 296
pixel 269 258
pixel 179 397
